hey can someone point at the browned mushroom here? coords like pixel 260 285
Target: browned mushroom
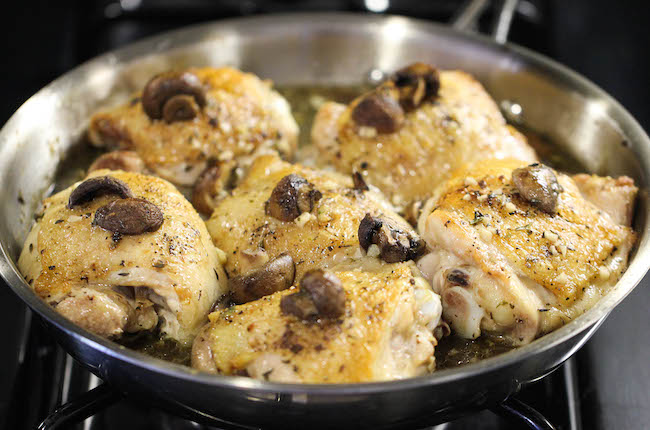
pixel 129 161
pixel 129 216
pixel 212 184
pixel 163 90
pixel 299 305
pixel 416 84
pixel 538 185
pixel 412 212
pixel 394 244
pixel 359 182
pixel 380 110
pixel 321 296
pixel 292 196
pixel 180 108
pixel 276 275
pixel 98 186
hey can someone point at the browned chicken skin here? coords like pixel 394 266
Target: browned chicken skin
pixel 385 332
pixel 460 124
pixel 220 115
pixel 123 252
pixel 519 261
pixel 249 231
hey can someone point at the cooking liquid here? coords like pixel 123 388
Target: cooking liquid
pixel 452 351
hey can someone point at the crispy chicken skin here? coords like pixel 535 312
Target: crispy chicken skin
pixel 385 333
pixel 169 278
pixel 503 265
pixel 615 196
pixel 462 124
pixel 325 236
pixel 242 117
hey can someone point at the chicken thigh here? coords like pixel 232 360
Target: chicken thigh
pixel 409 134
pixel 124 252
pixel 185 122
pixel 380 328
pixel 315 217
pixel 517 250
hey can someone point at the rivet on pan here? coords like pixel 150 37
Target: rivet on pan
pixel 375 76
pixel 512 111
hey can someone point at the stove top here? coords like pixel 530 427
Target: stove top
pixel 605 386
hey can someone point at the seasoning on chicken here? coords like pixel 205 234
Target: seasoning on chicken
pixel 183 122
pixel 369 324
pixel 313 216
pixel 517 250
pixel 408 135
pixel 122 252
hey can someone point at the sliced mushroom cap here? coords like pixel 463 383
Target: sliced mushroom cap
pixel 395 244
pixel 276 275
pixel 321 296
pixel 412 212
pixel 213 184
pixel 326 292
pixel 129 161
pixel 359 182
pixel 380 110
pixel 299 305
pixel 180 108
pixel 129 216
pixel 161 89
pixel 416 84
pixel 98 186
pixel 538 185
pixel 292 196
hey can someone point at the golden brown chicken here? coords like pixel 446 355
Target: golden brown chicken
pixel 517 250
pixel 382 331
pixel 313 216
pixel 408 135
pixel 183 122
pixel 616 196
pixel 124 252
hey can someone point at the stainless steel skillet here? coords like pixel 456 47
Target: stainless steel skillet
pixel 319 49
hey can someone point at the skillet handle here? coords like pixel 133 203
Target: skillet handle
pixel 518 412
pixel 80 408
pixel 467 18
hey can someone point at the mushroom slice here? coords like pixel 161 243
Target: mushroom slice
pixel 538 184
pixel 395 244
pixel 98 186
pixel 292 196
pixel 129 216
pixel 416 84
pixel 380 110
pixel 213 185
pixel 180 108
pixel 164 88
pixel 321 295
pixel 274 276
pixel 359 182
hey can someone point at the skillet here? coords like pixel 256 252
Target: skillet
pixel 320 49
